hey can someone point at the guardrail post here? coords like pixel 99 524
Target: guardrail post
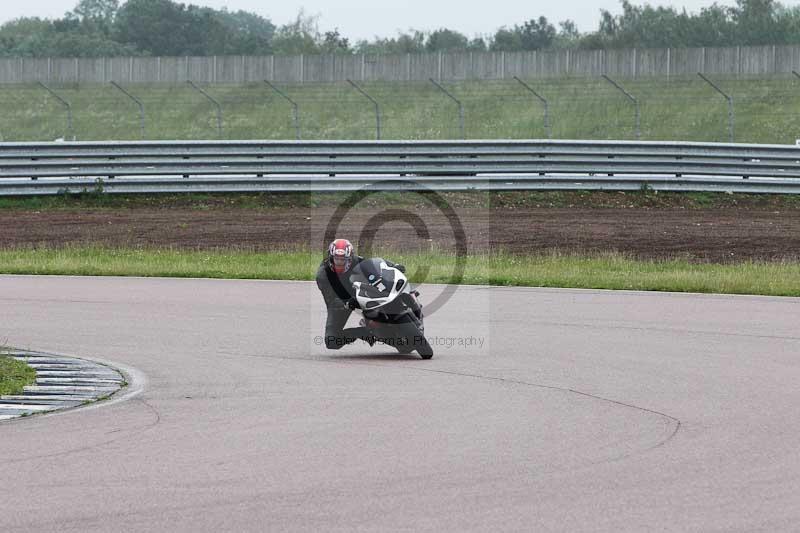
pixel 70 129
pixel 138 103
pixel 377 108
pixel 295 108
pixel 547 129
pixel 632 99
pixel 458 103
pixel 729 98
pixel 213 101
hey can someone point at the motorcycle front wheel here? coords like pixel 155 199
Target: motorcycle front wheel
pixel 415 340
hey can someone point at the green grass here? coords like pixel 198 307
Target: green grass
pixel 481 200
pixel 14 375
pixel 766 110
pixel 608 271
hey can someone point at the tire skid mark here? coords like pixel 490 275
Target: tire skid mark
pixel 120 433
pixel 673 421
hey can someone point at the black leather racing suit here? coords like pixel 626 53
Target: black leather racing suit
pixel 336 290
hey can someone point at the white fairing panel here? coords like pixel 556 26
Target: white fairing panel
pixel 364 299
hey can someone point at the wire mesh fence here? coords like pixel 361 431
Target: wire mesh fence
pixel 764 110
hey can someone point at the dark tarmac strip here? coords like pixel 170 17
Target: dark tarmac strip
pixel 542 409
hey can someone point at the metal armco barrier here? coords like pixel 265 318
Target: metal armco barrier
pixel 230 166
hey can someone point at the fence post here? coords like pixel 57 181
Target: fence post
pixel 295 108
pixel 302 68
pixel 731 115
pixel 363 67
pixel 471 74
pixel 774 59
pixel 138 102
pixel 377 108
pixel 738 61
pixel 632 99
pixel 568 65
pixel 669 62
pixel 547 130
pixel 70 130
pixel 603 63
pixel 458 103
pixel 213 101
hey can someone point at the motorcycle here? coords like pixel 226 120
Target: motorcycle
pixel 390 307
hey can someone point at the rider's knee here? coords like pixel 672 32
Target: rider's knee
pixel 332 342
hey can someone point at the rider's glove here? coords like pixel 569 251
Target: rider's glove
pixel 352 304
pixel 401 267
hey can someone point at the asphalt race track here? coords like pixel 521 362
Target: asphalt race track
pixel 581 411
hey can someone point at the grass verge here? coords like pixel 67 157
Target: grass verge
pixel 482 200
pixel 14 375
pixel 605 271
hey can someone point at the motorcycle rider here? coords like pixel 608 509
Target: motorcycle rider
pixel 333 282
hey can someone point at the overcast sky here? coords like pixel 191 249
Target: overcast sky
pixel 364 19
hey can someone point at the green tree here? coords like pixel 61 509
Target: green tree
pixel 247 33
pixel 34 37
pixel 24 36
pixel 444 40
pixel 477 44
pixel 711 27
pixel 301 36
pixel 568 35
pixel 756 22
pixel 334 43
pixel 404 43
pixel 155 26
pixel 104 10
pixel 536 34
pixel 506 40
pixel 162 27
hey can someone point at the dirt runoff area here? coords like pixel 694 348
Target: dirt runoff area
pixel 703 229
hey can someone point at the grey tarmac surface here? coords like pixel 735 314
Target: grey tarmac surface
pixel 581 411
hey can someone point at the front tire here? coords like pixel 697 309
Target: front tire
pixel 424 349
pixel 414 336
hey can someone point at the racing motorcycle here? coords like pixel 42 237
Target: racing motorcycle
pixel 390 306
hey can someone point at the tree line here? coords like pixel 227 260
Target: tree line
pixel 96 28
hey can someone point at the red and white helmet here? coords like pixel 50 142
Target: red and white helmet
pixel 340 255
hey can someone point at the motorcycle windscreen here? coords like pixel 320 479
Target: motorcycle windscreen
pixel 375 282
